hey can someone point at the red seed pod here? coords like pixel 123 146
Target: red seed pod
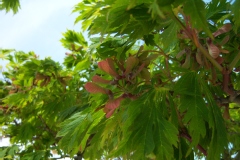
pixel 225 28
pixel 98 79
pixel 108 67
pixel 213 50
pixel 130 64
pixel 94 88
pixel 111 105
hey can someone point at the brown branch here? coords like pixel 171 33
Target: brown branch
pixel 181 25
pixel 226 82
pixel 189 138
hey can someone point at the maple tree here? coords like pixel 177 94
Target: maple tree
pixel 156 80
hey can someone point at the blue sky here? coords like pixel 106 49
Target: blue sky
pixel 38 27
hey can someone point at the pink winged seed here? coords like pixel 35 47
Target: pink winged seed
pixel 110 113
pixel 98 79
pixel 130 63
pixel 213 50
pixel 225 28
pixel 111 106
pixel 108 67
pixel 94 88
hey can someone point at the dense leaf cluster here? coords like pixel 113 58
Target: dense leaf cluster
pixel 10 5
pixel 156 80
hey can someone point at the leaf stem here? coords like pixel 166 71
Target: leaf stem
pixel 234 62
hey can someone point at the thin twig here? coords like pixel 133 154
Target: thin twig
pixel 188 137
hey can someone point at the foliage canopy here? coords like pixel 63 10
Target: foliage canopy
pixel 157 80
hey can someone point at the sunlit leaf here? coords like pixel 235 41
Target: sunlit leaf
pixel 8 5
pixel 82 65
pixel 236 13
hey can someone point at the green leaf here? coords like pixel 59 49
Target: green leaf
pixel 109 47
pixel 196 115
pixel 3 152
pixel 8 5
pixel 74 131
pixel 82 65
pixel 71 123
pixel 72 38
pixel 195 9
pixel 193 105
pixel 155 10
pixel 215 7
pixel 188 85
pixel 236 12
pixel 4 53
pixel 165 3
pixel 13 149
pixel 149 39
pixel 169 35
pixel 149 130
pixel 219 135
pixel 37 155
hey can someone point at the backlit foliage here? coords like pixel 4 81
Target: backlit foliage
pixel 156 80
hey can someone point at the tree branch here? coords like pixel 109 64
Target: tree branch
pixel 189 138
